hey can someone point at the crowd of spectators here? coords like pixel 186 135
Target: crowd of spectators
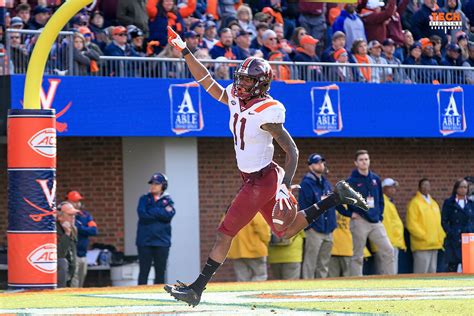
pixel 368 32
pixel 346 241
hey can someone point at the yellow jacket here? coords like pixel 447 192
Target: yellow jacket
pixel 393 224
pixel 342 237
pixel 424 224
pixel 252 240
pixel 288 254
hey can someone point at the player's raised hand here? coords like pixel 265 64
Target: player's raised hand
pixel 175 40
pixel 284 196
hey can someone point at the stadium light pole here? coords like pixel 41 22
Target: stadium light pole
pixel 32 251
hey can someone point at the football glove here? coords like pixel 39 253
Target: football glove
pixel 175 40
pixel 285 196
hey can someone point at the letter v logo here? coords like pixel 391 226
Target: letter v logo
pixel 50 195
pixel 47 99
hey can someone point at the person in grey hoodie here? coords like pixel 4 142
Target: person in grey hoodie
pixel 350 24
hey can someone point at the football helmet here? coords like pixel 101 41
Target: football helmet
pixel 252 78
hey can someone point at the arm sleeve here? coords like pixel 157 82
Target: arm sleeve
pixel 123 14
pixel 80 58
pixel 416 22
pixel 402 7
pixel 413 220
pixel 445 217
pixel 151 9
pixel 305 197
pixel 188 9
pixel 154 213
pixel 89 230
pixel 377 18
pixel 381 200
pixel 273 114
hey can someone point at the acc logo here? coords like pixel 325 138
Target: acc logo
pixel 44 258
pixel 186 112
pixel 44 142
pixel 452 118
pixel 326 109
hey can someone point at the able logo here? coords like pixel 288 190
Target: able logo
pixel 44 258
pixel 186 111
pixel 452 118
pixel 326 109
pixel 44 142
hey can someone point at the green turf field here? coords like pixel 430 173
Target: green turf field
pixel 430 295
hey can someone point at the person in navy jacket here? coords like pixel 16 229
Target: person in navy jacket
pixel 318 245
pixel 155 211
pixel 457 217
pixel 86 227
pixel 368 225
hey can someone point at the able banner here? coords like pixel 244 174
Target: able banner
pixel 102 106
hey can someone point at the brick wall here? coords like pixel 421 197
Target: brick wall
pixel 406 160
pixel 92 165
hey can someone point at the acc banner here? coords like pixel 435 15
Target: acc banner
pixel 127 107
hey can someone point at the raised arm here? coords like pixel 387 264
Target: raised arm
pixel 199 72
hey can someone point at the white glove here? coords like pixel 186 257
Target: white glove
pixel 175 40
pixel 285 196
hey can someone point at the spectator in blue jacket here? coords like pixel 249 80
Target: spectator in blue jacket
pixel 318 245
pixel 368 225
pixel 119 47
pixel 420 22
pixel 453 58
pixel 155 211
pixel 86 227
pixel 457 217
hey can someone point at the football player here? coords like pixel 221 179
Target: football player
pixel 255 121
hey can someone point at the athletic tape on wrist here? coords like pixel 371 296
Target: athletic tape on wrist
pixel 185 51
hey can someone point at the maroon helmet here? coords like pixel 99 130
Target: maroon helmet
pixel 259 72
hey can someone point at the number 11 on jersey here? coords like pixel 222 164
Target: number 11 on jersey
pixel 242 130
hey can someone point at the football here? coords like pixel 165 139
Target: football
pixel 282 218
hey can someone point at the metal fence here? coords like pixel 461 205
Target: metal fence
pixel 335 72
pixel 20 45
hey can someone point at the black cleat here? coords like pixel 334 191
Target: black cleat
pixel 184 293
pixel 349 196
